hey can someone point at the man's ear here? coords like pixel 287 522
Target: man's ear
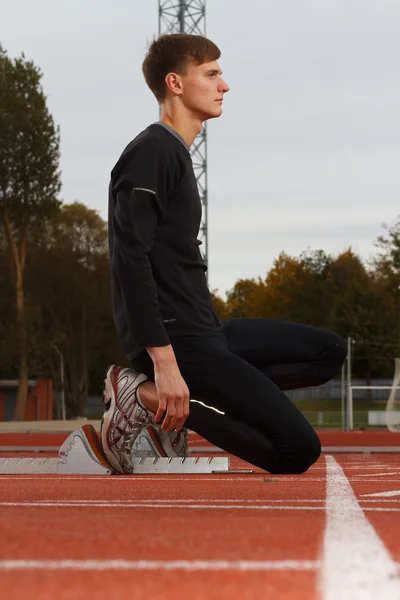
pixel 173 83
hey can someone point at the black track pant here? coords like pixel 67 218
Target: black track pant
pixel 242 372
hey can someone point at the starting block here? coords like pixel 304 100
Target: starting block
pixel 82 454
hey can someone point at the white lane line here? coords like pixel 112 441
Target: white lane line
pixel 178 504
pixel 134 478
pixel 205 501
pixel 377 474
pixel 208 500
pixel 161 565
pixel 380 500
pixel 358 480
pixel 356 564
pixel 369 467
pixel 383 494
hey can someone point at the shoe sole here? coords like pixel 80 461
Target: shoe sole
pixel 109 396
pixel 93 442
pixel 156 442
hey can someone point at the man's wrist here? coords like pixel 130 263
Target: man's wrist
pixel 162 355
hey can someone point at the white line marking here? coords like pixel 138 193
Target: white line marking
pixel 381 500
pixel 381 509
pixel 205 501
pixel 134 478
pixel 215 500
pixel 369 467
pixel 384 494
pixel 161 565
pixel 377 474
pixel 176 504
pixel 374 480
pixel 356 565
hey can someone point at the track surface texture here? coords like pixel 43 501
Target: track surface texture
pixel 332 533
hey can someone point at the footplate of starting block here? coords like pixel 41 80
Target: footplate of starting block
pixel 181 465
pixel 26 466
pixel 82 454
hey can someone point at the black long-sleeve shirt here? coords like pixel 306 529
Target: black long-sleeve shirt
pixel 159 287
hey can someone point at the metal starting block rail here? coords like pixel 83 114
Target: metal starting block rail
pixel 82 454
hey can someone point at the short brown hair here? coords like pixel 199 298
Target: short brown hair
pixel 173 53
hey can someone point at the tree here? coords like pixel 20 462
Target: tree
pixel 387 267
pixel 297 289
pixel 365 313
pixel 69 279
pixel 243 300
pixel 219 305
pixel 29 179
pixel 346 268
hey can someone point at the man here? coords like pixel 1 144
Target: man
pixel 177 347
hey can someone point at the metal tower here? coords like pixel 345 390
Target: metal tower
pixel 180 16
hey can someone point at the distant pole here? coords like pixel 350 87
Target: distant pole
pixel 398 306
pixel 182 16
pixel 349 390
pixel 343 397
pixel 62 391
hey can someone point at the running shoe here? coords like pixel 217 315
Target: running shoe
pixel 124 418
pixel 154 442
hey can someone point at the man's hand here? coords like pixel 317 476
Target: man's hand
pixel 173 393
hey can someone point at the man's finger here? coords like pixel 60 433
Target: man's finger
pixel 162 405
pixel 180 423
pixel 185 413
pixel 180 418
pixel 169 421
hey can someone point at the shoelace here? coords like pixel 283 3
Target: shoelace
pixel 129 438
pixel 182 434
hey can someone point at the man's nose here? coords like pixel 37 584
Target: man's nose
pixel 224 87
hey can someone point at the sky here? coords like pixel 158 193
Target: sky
pixel 306 154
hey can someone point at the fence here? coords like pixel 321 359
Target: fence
pixel 333 391
pixel 327 405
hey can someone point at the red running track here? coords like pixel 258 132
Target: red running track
pixel 177 537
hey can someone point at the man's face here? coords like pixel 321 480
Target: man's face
pixel 203 90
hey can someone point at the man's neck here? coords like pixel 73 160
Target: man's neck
pixel 187 128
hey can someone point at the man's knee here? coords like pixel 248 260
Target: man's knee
pixel 335 355
pixel 307 455
pixel 339 350
pixel 299 457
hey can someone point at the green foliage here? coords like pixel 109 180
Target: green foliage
pixel 219 305
pixel 336 293
pixel 243 300
pixel 365 313
pixel 29 182
pixel 29 146
pixel 68 281
pixel 387 263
